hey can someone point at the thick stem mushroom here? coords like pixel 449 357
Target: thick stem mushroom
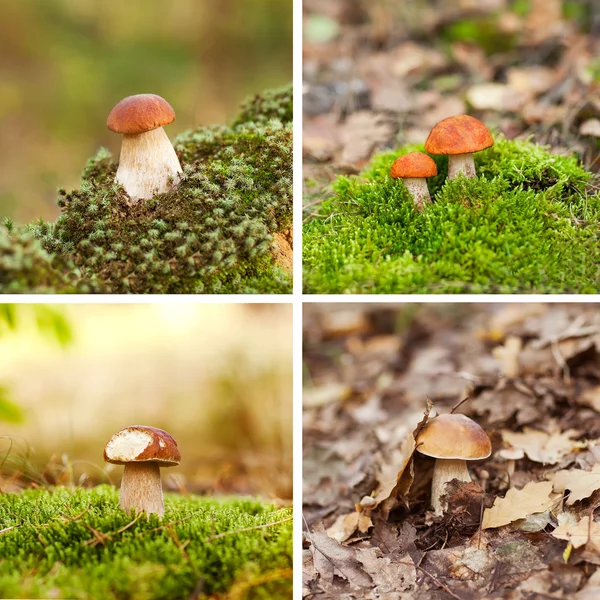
pixel 413 168
pixel 143 450
pixel 141 488
pixel 459 137
pixel 148 164
pixel 444 471
pixel 452 440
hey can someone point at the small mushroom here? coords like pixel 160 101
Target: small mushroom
pixel 413 168
pixel 148 164
pixel 459 137
pixel 451 440
pixel 143 450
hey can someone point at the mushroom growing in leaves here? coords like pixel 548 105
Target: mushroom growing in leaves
pixel 148 164
pixel 413 168
pixel 452 440
pixel 459 137
pixel 143 450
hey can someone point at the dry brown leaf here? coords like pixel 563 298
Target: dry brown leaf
pixel 508 355
pixel 591 398
pixel 535 497
pixel 581 483
pixel 317 397
pixel 391 473
pixel 346 525
pixel 331 558
pixel 540 446
pixel 388 574
pixel 590 127
pixel 584 532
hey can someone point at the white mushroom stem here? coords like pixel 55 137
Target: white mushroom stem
pixel 141 488
pixel 417 187
pixel 446 470
pixel 148 164
pixel 461 163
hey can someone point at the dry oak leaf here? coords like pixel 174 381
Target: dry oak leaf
pixel 331 558
pixel 535 497
pixel 581 483
pixel 540 446
pixel 346 525
pixel 392 472
pixel 584 532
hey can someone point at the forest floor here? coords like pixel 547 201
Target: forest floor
pixel 380 75
pixel 527 526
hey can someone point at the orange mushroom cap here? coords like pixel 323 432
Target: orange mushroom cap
pixel 458 135
pixel 413 165
pixel 140 113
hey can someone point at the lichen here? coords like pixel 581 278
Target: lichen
pixel 213 232
pixel 526 224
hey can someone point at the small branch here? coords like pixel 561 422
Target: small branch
pixel 226 533
pixel 433 578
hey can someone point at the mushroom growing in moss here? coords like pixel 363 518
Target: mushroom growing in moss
pixel 452 440
pixel 148 164
pixel 459 137
pixel 413 168
pixel 143 450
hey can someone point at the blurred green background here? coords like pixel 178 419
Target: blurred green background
pixel 218 377
pixel 65 63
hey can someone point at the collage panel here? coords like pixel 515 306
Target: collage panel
pixel 146 147
pixel 145 451
pixel 451 147
pixel 450 450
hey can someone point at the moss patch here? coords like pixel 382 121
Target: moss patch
pixel 215 232
pixel 526 224
pixel 63 544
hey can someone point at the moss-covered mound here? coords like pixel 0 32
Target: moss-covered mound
pixel 220 230
pixel 63 544
pixel 526 224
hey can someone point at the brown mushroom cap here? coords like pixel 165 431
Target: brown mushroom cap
pixel 140 113
pixel 458 135
pixel 140 443
pixel 454 437
pixel 413 165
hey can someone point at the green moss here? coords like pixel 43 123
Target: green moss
pixel 273 104
pixel 25 267
pixel 525 225
pixel 63 544
pixel 212 233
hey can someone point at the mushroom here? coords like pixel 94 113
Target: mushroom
pixel 459 137
pixel 413 168
pixel 451 440
pixel 148 163
pixel 143 450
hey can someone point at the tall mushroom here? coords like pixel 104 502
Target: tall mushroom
pixel 143 450
pixel 413 168
pixel 459 137
pixel 451 440
pixel 148 164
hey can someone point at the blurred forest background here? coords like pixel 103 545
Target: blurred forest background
pixel 379 74
pixel 65 63
pixel 72 375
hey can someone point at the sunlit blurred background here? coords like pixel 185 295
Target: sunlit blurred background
pixel 65 63
pixel 217 377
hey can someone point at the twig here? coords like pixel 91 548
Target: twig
pixel 432 577
pixel 221 535
pixel 8 529
pixel 461 402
